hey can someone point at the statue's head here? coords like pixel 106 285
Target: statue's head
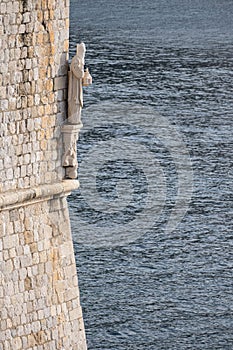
pixel 81 49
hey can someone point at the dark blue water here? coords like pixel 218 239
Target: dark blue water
pixel 161 291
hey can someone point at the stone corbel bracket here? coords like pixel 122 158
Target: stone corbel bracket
pixel 70 137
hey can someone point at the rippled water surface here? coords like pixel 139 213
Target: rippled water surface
pixel 161 291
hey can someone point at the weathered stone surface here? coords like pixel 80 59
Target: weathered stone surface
pixel 39 290
pixel 33 84
pixel 39 295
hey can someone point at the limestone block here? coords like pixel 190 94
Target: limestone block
pixel 60 83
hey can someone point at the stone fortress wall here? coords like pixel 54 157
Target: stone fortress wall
pixel 39 295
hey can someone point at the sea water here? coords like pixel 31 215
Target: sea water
pixel 173 61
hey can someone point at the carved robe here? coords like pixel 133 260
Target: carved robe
pixel 75 91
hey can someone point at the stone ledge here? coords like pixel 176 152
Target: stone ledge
pixel 19 198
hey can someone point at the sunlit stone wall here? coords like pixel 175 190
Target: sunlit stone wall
pixel 34 40
pixel 39 295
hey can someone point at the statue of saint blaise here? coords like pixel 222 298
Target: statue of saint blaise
pixel 75 90
pixel 77 78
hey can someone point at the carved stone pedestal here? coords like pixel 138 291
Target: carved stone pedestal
pixel 70 137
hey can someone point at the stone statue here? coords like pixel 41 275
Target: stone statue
pixel 75 91
pixel 77 78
